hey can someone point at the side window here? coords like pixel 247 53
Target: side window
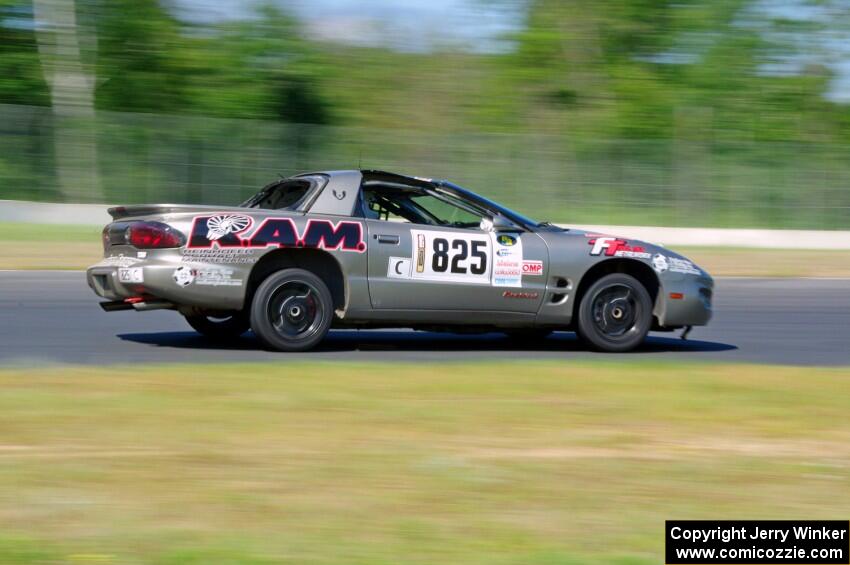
pixel 448 213
pixel 383 205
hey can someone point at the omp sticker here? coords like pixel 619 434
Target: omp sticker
pixel 135 275
pixel 534 268
pixel 507 259
pixel 451 256
pixel 399 268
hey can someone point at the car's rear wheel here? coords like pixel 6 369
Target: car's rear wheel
pixel 615 313
pixel 227 326
pixel 292 310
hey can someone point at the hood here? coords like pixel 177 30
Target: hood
pixel 601 246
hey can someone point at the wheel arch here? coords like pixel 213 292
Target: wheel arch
pixel 317 261
pixel 639 270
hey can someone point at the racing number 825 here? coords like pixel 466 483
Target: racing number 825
pixel 441 261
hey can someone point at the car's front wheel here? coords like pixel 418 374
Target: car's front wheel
pixel 615 313
pixel 292 310
pixel 219 328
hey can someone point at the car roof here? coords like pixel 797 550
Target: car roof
pixel 378 175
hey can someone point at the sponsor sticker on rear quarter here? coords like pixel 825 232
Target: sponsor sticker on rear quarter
pixel 205 276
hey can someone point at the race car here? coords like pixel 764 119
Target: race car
pixel 373 249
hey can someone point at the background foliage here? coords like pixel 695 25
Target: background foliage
pixel 694 112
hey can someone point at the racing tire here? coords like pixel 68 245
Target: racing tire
pixel 219 328
pixel 615 314
pixel 292 310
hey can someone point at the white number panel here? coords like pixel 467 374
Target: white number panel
pixel 451 256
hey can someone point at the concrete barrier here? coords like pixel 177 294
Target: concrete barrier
pixel 95 215
pixel 730 237
pixel 48 213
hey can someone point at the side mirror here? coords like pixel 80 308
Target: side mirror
pixel 498 223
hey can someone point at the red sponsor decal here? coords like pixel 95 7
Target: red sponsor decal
pixel 532 267
pixel 526 295
pixel 614 246
pixel 207 233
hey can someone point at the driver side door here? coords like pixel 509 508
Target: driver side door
pixel 444 268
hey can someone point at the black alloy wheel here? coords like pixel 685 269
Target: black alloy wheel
pixel 615 313
pixel 292 310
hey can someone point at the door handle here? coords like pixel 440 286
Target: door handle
pixel 384 238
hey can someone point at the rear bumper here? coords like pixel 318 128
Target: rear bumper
pixel 105 282
pixel 155 279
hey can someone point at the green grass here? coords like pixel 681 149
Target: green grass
pixel 744 262
pixel 46 233
pixel 531 463
pixel 35 246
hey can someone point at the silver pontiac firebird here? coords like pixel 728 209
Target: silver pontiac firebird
pixel 371 249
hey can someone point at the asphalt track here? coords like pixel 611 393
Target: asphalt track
pixel 51 317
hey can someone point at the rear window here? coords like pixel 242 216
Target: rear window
pixel 286 195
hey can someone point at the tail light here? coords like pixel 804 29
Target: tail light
pixel 153 235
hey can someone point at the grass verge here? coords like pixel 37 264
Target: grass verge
pixel 532 463
pixel 34 246
pixel 743 262
pixel 28 246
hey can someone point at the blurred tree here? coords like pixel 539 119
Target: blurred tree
pixel 258 68
pixel 71 85
pixel 141 64
pixel 21 78
pixel 296 99
pixel 636 68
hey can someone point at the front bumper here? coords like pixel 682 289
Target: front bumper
pixel 685 300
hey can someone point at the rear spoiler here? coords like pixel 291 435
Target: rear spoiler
pixel 120 212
